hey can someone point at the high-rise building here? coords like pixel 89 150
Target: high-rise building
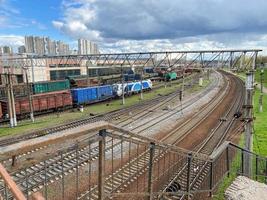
pixel 21 49
pixel 62 48
pixel 39 45
pixel 45 46
pixel 51 46
pixel 29 44
pixel 87 47
pixel 6 50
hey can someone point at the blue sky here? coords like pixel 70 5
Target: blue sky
pixel 31 17
pixel 134 25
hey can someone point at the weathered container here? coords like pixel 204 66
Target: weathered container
pixel 41 103
pixel 51 86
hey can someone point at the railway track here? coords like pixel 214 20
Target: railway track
pixel 206 147
pixel 124 176
pixel 54 166
pixel 212 142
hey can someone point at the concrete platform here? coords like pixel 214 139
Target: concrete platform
pixel 244 188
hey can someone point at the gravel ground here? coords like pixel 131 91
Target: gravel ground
pixel 244 188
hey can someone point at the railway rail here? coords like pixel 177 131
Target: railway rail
pixel 53 166
pixel 212 142
pixel 101 117
pixel 124 176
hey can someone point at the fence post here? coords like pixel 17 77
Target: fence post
pixel 150 170
pixel 211 178
pixel 101 164
pixel 189 161
pixel 257 167
pixel 242 162
pixel 227 161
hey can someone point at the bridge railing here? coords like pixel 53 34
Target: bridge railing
pixel 114 162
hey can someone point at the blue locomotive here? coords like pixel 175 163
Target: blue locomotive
pixel 132 87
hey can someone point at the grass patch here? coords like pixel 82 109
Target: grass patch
pixel 260 125
pixel 259 143
pixel 258 77
pixel 234 168
pixel 42 122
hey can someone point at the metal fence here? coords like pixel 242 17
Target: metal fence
pixel 117 164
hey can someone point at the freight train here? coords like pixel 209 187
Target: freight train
pixel 50 97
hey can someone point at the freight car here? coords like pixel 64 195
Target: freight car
pixel 89 95
pixel 50 86
pixel 81 81
pixel 42 103
pixel 19 90
pixel 170 76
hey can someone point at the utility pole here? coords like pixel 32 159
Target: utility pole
pixel 141 91
pixel 248 160
pixel 231 60
pixel 11 101
pixel 122 84
pixel 29 95
pixel 87 72
pixel 32 68
pixel 261 95
pixel 248 126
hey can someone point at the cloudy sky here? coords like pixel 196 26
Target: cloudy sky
pixel 138 25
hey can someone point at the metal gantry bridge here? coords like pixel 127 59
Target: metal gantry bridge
pixel 170 59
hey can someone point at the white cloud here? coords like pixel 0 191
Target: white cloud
pixel 156 25
pixel 11 40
